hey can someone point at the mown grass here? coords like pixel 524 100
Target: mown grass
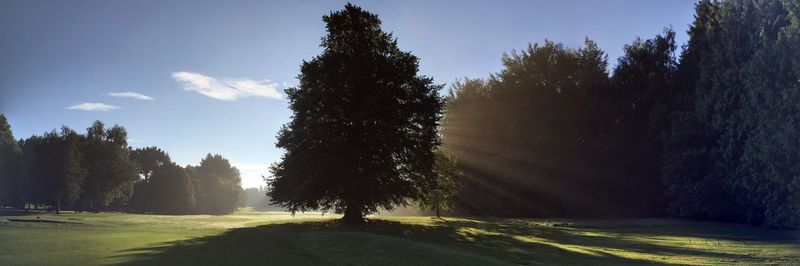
pixel 261 238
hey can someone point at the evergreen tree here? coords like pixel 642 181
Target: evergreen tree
pixel 733 151
pixel 364 124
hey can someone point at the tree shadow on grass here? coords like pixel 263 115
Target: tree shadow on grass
pixel 382 242
pixel 594 241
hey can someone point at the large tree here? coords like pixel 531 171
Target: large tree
pixel 111 172
pixel 364 124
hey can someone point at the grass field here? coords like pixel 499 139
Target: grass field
pixel 273 238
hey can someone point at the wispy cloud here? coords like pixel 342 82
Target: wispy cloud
pixel 226 89
pixel 92 107
pixel 130 94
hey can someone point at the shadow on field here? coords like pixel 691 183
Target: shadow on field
pixel 14 212
pixel 381 242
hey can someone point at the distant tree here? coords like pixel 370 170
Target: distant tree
pixel 170 190
pixel 255 198
pixel 440 193
pixel 148 159
pixel 258 200
pixel 111 172
pixel 242 202
pixel 364 124
pixel 12 186
pixel 219 185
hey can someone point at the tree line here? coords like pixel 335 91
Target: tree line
pixel 707 132
pixel 710 133
pixel 98 171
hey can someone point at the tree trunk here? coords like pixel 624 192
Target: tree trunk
pixel 437 212
pixel 58 207
pixel 353 215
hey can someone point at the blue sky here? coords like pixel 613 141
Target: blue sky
pixel 214 71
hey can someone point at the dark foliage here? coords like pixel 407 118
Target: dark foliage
pixel 733 152
pixel 98 172
pixel 171 190
pixel 552 134
pixel 111 172
pixel 149 159
pixel 535 139
pixel 11 182
pixel 364 124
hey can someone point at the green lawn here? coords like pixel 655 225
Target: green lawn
pixel 271 238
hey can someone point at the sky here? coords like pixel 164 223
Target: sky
pixel 197 77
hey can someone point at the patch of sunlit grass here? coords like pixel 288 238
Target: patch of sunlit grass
pixel 247 237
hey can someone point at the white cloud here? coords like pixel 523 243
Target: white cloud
pixel 92 107
pixel 226 89
pixel 130 94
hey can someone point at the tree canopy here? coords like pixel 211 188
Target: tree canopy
pixel 111 172
pixel 364 124
pixel 97 171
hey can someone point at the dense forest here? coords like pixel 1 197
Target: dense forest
pixel 710 133
pixel 98 171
